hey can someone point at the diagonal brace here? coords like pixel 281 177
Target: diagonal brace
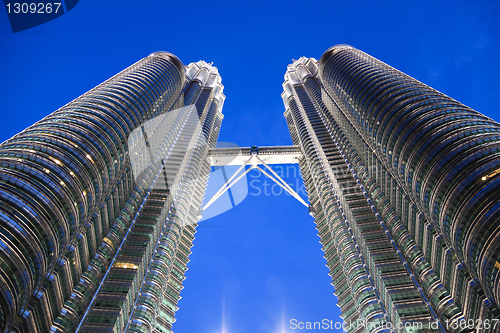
pixel 254 165
pixel 283 185
pixel 228 184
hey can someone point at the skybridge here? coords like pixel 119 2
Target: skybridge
pixel 257 158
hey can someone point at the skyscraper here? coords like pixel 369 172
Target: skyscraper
pixel 100 200
pixel 403 184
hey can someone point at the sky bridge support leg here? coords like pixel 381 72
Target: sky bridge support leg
pixel 254 162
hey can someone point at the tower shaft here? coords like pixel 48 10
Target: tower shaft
pixel 395 172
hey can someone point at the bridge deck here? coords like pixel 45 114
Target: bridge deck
pixel 269 155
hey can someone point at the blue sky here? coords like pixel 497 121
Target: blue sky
pixel 259 265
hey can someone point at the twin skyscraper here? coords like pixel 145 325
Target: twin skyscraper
pixel 99 201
